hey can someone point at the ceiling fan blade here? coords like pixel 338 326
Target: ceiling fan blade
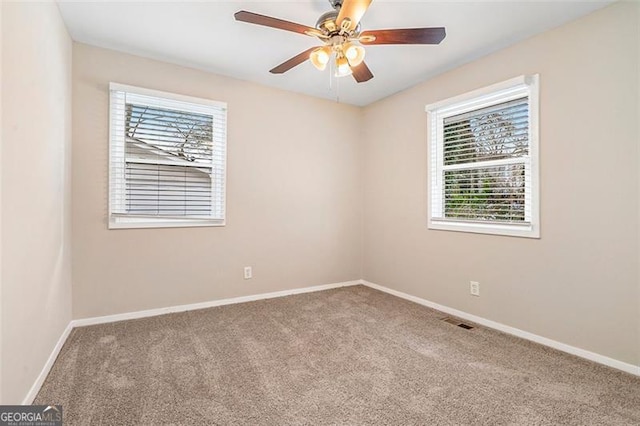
pixel 295 61
pixel 361 73
pixel 268 21
pixel 404 36
pixel 354 10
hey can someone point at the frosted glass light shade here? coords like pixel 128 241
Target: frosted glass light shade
pixel 320 57
pixel 342 67
pixel 353 53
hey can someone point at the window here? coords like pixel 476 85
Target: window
pixel 483 168
pixel 167 159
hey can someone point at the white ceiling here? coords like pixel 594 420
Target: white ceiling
pixel 204 35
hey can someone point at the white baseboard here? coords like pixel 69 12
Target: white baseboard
pixel 161 311
pixel 601 359
pixel 31 395
pixel 582 353
pixel 195 306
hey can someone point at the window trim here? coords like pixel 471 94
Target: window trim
pixel 470 101
pixel 125 221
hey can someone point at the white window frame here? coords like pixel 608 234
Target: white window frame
pixel 116 176
pixel 488 96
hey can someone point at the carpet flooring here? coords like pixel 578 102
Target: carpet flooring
pixel 346 356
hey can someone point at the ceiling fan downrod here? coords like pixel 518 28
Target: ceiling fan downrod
pixel 336 4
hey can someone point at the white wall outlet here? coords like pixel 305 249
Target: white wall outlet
pixel 474 288
pixel 248 274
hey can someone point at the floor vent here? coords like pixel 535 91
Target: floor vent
pixel 457 322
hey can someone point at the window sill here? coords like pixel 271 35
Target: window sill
pixel 127 222
pixel 525 231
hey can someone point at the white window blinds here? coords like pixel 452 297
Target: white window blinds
pixel 167 159
pixel 485 162
pixel 483 147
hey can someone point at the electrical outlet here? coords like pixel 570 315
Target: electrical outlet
pixel 474 288
pixel 248 274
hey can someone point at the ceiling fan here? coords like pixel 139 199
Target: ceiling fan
pixel 340 32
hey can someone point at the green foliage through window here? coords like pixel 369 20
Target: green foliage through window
pixel 484 167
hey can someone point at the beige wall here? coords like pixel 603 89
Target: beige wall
pixel 293 195
pixel 36 142
pixel 638 138
pixel 578 284
pixel 1 315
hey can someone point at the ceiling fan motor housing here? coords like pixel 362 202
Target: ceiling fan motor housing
pixel 327 24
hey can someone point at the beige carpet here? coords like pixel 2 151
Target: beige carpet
pixel 346 356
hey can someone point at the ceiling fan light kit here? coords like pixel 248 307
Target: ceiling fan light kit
pixel 340 31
